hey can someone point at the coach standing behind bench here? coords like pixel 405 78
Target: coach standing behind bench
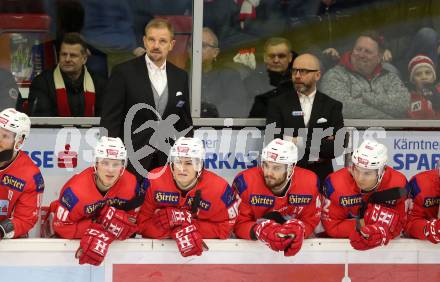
pixel 151 80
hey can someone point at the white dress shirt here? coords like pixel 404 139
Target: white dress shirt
pixel 306 102
pixel 157 75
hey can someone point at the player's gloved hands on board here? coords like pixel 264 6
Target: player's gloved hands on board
pixel 295 229
pixel 117 222
pixel 169 218
pixel 432 231
pixel 387 217
pixel 276 236
pixel 369 237
pixel 189 241
pixel 94 245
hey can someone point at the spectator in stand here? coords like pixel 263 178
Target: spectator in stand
pixel 425 92
pixel 69 89
pixel 221 86
pixel 262 83
pixel 363 85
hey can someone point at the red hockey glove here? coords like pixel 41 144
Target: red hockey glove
pixel 94 245
pixel 117 222
pixel 432 231
pixel 377 214
pixel 274 235
pixel 169 218
pixel 189 241
pixel 369 237
pixel 296 229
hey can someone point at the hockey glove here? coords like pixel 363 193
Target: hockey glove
pixel 387 217
pixel 274 235
pixel 169 218
pixel 117 222
pixel 295 229
pixel 189 241
pixel 94 245
pixel 369 237
pixel 432 231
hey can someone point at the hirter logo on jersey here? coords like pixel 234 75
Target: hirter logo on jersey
pixel 431 202
pixel 167 197
pixel 13 182
pixel 350 201
pixel 261 200
pixel 299 200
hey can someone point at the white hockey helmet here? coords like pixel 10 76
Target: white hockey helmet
pixel 110 148
pixel 16 122
pixel 370 155
pixel 188 147
pixel 280 151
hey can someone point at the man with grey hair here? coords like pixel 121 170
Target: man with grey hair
pixel 366 89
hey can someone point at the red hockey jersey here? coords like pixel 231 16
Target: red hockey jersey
pixel 21 188
pixel 216 213
pixel 425 195
pixel 301 201
pixel 80 202
pixel 343 199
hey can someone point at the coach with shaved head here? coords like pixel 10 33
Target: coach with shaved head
pixel 302 106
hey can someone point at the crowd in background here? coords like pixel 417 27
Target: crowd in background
pixel 239 59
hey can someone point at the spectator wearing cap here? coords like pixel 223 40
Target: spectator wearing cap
pixel 366 89
pixel 425 91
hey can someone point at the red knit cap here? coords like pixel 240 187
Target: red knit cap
pixel 418 61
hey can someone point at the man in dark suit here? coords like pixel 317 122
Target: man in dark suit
pixel 162 88
pixel 302 106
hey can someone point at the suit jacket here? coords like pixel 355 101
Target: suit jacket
pixel 261 101
pixel 43 96
pixel 284 109
pixel 129 84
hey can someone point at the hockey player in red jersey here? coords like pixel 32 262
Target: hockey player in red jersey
pixel 366 201
pixel 21 182
pixel 99 204
pixel 280 203
pixel 187 202
pixel 423 215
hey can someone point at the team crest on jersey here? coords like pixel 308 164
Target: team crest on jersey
pixel 4 205
pixel 204 205
pixel 261 200
pixel 39 182
pixel 431 201
pixel 13 182
pixel 167 197
pixel 299 200
pixel 69 199
pixel 350 201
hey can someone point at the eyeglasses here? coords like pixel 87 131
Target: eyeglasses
pixel 207 45
pixel 279 56
pixel 302 72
